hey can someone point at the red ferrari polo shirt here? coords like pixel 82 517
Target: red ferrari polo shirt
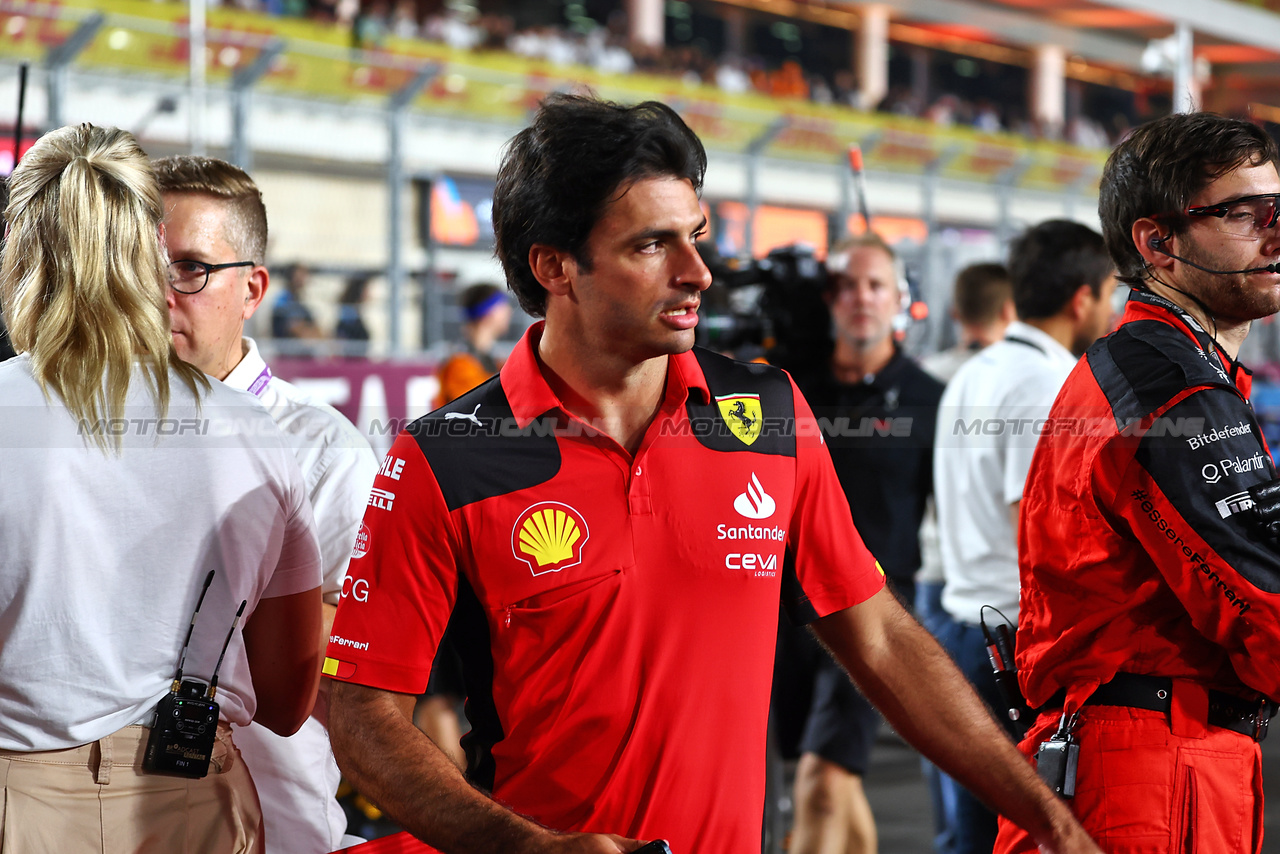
pixel 615 615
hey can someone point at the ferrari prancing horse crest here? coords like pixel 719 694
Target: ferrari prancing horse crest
pixel 743 415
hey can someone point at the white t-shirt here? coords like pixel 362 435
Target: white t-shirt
pixel 988 425
pixel 104 554
pixel 297 777
pixel 942 366
pixel 337 463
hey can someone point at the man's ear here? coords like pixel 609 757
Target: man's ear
pixel 1008 311
pixel 1150 237
pixel 1082 303
pixel 555 269
pixel 259 280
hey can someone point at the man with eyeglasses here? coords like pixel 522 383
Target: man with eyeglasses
pixel 216 235
pixel 1149 637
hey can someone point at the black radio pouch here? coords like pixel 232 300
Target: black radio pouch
pixel 182 737
pixel 1057 758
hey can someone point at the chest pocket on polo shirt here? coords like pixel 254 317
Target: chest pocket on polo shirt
pixel 558 646
pixel 576 596
pixel 554 548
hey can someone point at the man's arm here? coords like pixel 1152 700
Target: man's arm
pixel 401 770
pixel 909 678
pixel 284 661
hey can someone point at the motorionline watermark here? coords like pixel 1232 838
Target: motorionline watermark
pixel 697 427
pixel 963 429
pixel 830 427
pixel 144 427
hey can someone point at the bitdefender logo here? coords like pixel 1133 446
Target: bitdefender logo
pixel 755 503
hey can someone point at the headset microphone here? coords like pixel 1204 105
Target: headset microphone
pixel 1155 243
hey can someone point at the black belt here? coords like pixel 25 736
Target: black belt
pixel 1155 693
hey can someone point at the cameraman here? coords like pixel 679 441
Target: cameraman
pixel 878 408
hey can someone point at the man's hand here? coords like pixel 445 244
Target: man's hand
pixel 1067 835
pixel 914 684
pixel 590 843
pixel 1264 515
pixel 394 764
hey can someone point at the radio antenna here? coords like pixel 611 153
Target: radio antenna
pixel 22 104
pixel 213 680
pixel 860 183
pixel 182 657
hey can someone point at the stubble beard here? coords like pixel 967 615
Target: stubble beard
pixel 1228 296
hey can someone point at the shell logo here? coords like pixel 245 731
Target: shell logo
pixel 549 536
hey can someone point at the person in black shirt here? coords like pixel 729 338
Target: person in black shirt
pixel 878 408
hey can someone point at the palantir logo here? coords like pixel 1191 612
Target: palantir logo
pixel 755 503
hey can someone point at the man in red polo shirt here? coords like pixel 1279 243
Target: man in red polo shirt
pixel 1148 631
pixel 613 520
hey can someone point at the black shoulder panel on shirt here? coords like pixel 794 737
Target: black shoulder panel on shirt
pixel 476 451
pixel 1146 363
pixel 775 432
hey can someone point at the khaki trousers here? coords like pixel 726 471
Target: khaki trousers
pixel 96 798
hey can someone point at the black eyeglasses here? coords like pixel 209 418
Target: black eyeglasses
pixel 190 277
pixel 1244 217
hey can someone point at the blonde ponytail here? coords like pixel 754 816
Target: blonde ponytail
pixel 83 274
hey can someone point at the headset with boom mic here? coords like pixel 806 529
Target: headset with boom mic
pixel 1157 243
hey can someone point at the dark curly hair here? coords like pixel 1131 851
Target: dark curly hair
pixel 1049 262
pixel 558 175
pixel 1161 167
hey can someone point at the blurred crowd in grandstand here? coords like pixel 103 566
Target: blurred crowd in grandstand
pixel 606 48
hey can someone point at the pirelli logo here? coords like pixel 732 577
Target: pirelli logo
pixel 549 536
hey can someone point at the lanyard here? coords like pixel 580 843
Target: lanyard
pixel 1033 345
pixel 260 384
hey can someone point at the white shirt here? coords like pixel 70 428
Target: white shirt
pixel 336 461
pixel 297 777
pixel 104 554
pixel 944 364
pixel 989 421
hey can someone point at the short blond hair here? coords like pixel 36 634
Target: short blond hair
pixel 839 254
pixel 209 176
pixel 866 240
pixel 83 276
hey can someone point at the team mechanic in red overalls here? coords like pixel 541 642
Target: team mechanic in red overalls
pixel 1150 627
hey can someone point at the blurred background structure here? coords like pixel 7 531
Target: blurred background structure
pixel 374 128
pixel 975 118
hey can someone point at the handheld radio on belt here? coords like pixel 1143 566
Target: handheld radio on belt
pixel 186 724
pixel 1057 758
pixel 1000 652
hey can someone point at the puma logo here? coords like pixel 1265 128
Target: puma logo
pixel 450 416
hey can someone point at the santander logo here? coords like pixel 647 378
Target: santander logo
pixel 755 503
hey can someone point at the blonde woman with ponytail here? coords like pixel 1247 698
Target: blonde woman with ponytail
pixel 85 300
pixel 128 477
